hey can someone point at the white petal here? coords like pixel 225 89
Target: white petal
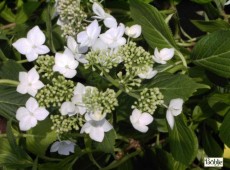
pixel 175 106
pixel 81 58
pixel 33 76
pixel 141 128
pixel 21 113
pixel 43 49
pixel 79 89
pixel 121 41
pixel 99 45
pixel 98 10
pixel 107 126
pixel 73 64
pixel 81 109
pixel 36 36
pixel 22 88
pixel 110 22
pixel 23 77
pixel 97 134
pixel 170 118
pixel 67 108
pixel 60 60
pixel 32 104
pixel 32 55
pixel 27 123
pixel 82 49
pixel 32 91
pixel 136 114
pixel 86 128
pixel 70 73
pixel 93 30
pixel 133 31
pixel 41 113
pixel 72 44
pixel 82 38
pixel 167 53
pixel 23 46
pixel 145 119
pixel 38 85
pixel 68 55
pixel 66 147
pixel 148 75
pixel 120 30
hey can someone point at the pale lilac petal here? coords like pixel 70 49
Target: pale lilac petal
pixel 93 30
pixel 82 38
pixel 110 22
pixel 41 113
pixel 79 89
pixel 38 85
pixel 83 49
pixel 21 113
pixel 72 44
pixel 98 10
pixel 32 104
pixel 170 118
pixel 97 134
pixel 43 49
pixel 23 46
pixel 86 128
pixel 67 108
pixel 55 146
pixel 36 36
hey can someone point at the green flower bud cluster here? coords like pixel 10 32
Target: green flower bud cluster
pixel 128 82
pixel 105 59
pixel 104 102
pixel 149 100
pixel 71 15
pixel 56 93
pixel 136 59
pixel 64 124
pixel 44 66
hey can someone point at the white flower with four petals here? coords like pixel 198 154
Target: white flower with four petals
pixel 140 120
pixel 29 116
pixel 32 46
pixel 29 82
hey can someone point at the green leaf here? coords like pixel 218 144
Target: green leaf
pixel 6 13
pixel 25 11
pixel 155 30
pixel 211 26
pixel 211 147
pixel 10 70
pixel 175 86
pixel 107 145
pixel 10 101
pixel 183 142
pixel 224 130
pixel 41 136
pixel 213 53
pixel 202 1
pixel 10 159
pixel 220 103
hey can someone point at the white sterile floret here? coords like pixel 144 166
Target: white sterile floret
pixel 150 73
pixel 90 35
pixel 140 120
pixel 68 108
pixel 95 129
pixel 32 46
pixel 163 55
pixel 114 36
pixel 29 115
pixel 64 147
pixel 65 64
pixel 109 20
pixel 174 109
pixel 29 82
pixel 76 50
pixel 79 92
pixel 133 31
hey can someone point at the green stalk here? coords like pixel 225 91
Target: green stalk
pixel 9 82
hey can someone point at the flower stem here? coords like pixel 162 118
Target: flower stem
pixel 22 61
pixel 9 82
pixel 178 53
